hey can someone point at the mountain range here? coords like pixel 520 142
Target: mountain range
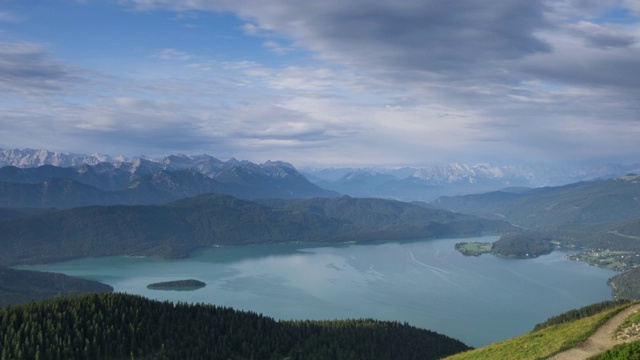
pixel 141 181
pixel 428 183
pixel 585 203
pixel 273 179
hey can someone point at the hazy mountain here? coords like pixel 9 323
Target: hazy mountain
pixel 54 193
pixel 275 179
pixel 33 158
pixel 589 202
pixel 453 179
pixel 177 228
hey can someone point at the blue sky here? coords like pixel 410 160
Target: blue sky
pixel 331 83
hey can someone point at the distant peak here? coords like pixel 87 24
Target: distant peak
pixel 277 163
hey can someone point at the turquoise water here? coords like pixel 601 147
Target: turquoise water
pixel 478 300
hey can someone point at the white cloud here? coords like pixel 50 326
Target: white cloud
pixel 250 29
pixel 410 82
pixel 277 47
pixel 173 54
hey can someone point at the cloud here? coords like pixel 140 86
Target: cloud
pixel 174 54
pixel 28 69
pixel 604 36
pixel 429 36
pixel 251 29
pixel 588 60
pixel 396 82
pixel 277 47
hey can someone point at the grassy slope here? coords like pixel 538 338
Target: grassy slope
pixel 543 343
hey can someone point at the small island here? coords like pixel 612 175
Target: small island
pixel 181 285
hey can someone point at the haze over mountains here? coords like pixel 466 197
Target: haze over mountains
pixel 454 179
pixel 147 181
pixel 587 203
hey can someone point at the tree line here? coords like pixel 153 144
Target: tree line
pixel 583 312
pixel 108 326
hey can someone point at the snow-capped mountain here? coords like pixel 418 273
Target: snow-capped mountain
pixel 454 179
pixel 32 158
pixel 32 178
pixel 204 164
pixel 284 180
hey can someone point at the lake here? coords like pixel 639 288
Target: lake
pixel 428 284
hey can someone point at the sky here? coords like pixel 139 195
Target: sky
pixel 325 83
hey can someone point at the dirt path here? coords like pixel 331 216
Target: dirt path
pixel 602 340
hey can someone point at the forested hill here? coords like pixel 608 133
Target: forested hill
pixel 20 286
pixel 176 229
pixel 118 326
pixel 588 202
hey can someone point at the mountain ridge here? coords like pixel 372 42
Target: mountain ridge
pixel 143 181
pixel 405 183
pixel 587 202
pixel 177 228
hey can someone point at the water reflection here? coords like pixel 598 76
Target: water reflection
pixel 426 283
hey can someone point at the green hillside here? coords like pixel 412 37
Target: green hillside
pixel 118 326
pixel 558 334
pixel 176 229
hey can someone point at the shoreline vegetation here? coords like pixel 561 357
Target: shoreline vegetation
pixel 474 248
pixel 183 285
pixel 512 246
pixel 627 263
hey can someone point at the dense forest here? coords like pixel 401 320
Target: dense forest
pixel 626 285
pixel 177 228
pixel 107 326
pixel 522 245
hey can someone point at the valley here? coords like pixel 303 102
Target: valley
pixel 264 238
pixel 319 180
